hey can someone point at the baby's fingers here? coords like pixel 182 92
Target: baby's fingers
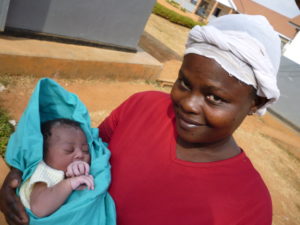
pixel 70 170
pixel 87 168
pixel 89 181
pixel 81 168
pixel 75 170
pixel 78 168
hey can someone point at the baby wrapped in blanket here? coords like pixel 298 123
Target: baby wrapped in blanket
pixel 50 101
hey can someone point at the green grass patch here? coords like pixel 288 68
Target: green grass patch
pixel 173 3
pixel 174 17
pixel 6 80
pixel 6 130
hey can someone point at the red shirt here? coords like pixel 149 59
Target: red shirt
pixel 151 186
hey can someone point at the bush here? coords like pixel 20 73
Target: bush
pixel 6 130
pixel 174 17
pixel 173 3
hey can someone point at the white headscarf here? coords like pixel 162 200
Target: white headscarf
pixel 246 46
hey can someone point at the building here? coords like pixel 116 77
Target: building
pixel 292 49
pixel 281 23
pixel 210 9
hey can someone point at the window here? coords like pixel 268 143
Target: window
pixel 202 8
pixel 217 12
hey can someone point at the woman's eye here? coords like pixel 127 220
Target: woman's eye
pixel 183 84
pixel 214 99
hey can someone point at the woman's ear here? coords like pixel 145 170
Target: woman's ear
pixel 258 102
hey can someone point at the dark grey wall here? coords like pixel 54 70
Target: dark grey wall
pixel 3 13
pixel 288 105
pixel 112 22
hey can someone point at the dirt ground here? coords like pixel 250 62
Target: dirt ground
pixel 273 147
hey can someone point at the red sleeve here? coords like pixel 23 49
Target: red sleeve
pixel 106 128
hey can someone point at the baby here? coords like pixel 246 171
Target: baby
pixel 65 167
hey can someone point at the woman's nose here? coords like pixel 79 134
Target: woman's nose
pixel 192 104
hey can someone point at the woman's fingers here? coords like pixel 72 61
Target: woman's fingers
pixel 13 219
pixel 18 212
pixel 10 204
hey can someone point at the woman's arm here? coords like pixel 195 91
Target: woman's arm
pixel 44 200
pixel 10 203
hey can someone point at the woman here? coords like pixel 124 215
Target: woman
pixel 174 159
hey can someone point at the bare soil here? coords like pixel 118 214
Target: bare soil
pixel 273 147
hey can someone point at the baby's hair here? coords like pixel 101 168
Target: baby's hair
pixel 47 126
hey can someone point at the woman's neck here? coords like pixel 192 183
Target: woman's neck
pixel 222 150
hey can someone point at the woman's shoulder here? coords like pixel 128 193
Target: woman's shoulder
pixel 150 95
pixel 148 98
pixel 146 102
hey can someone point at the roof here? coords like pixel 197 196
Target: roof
pixel 296 21
pixel 279 22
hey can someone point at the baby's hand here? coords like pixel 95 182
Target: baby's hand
pixel 77 168
pixel 79 183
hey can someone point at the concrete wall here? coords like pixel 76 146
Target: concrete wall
pixel 291 50
pixel 111 22
pixel 288 79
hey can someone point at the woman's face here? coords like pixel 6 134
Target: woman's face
pixel 209 103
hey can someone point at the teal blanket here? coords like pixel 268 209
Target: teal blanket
pixel 25 150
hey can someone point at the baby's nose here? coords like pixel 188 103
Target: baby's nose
pixel 78 154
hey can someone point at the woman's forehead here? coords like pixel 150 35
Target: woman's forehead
pixel 203 64
pixel 199 69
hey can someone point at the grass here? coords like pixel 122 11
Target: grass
pixel 173 3
pixel 6 80
pixel 174 17
pixel 176 5
pixel 6 130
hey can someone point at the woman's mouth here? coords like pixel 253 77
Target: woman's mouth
pixel 187 123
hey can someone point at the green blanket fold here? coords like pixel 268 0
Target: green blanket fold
pixel 25 150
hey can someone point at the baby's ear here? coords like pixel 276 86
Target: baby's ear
pixel 258 102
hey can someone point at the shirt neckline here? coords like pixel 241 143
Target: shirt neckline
pixel 181 162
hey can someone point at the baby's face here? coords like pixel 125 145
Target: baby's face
pixel 65 145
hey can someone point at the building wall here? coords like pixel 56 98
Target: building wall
pixel 186 4
pixel 212 6
pixel 113 23
pixel 278 21
pixel 292 49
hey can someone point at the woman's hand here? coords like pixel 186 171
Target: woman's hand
pixel 10 203
pixel 78 168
